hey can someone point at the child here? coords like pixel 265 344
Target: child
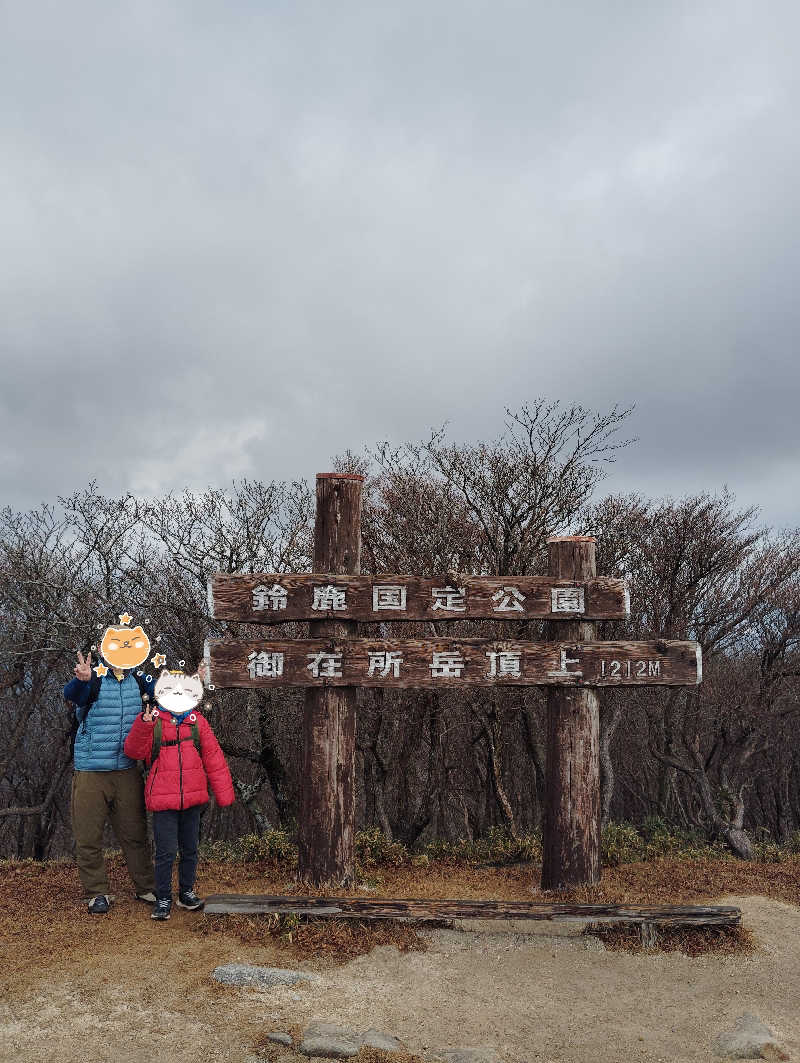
pixel 183 756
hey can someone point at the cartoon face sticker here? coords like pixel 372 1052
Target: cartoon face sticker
pixel 124 647
pixel 177 692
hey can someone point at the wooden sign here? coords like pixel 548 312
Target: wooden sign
pixel 434 663
pixel 275 597
pixel 333 663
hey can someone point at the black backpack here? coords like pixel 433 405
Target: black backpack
pixel 158 742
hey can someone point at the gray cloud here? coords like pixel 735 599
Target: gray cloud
pixel 238 240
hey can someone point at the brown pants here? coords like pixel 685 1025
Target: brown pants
pixel 98 796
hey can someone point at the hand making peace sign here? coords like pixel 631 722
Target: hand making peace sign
pixel 83 669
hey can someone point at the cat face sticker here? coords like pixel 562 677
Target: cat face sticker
pixel 124 647
pixel 177 692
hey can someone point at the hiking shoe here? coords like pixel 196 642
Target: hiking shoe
pixel 100 904
pixel 190 900
pixel 148 898
pixel 161 909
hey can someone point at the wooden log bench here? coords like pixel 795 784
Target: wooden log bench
pixel 648 917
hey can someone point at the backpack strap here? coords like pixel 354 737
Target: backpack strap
pixel 156 747
pixel 158 742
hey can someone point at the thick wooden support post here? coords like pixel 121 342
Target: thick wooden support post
pixel 327 787
pixel 571 828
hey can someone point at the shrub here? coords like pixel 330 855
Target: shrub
pixel 374 849
pixel 664 838
pixel 500 845
pixel 655 826
pixel 770 852
pixel 497 846
pixel 620 843
pixel 272 847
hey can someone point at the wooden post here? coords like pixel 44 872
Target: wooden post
pixel 327 784
pixel 571 828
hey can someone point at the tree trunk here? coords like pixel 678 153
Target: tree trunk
pixel 494 737
pixel 783 805
pixel 537 755
pixel 375 766
pixel 666 775
pixel 608 725
pixel 730 830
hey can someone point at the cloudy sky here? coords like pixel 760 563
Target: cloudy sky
pixel 240 238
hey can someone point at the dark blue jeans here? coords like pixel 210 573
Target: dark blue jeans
pixel 174 832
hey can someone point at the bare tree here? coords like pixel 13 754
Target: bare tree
pixel 699 570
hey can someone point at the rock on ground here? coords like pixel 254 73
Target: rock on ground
pixel 384 1041
pixel 749 1039
pixel 464 1055
pixel 328 1039
pixel 247 974
pixel 279 1038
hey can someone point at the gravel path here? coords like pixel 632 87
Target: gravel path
pixel 145 993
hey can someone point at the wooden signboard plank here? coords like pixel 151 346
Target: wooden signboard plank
pixel 407 663
pixel 427 908
pixel 275 597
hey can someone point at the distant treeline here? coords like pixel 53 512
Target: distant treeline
pixel 723 758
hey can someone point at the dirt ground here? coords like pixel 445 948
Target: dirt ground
pixel 120 988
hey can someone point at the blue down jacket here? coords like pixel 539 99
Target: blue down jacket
pixel 104 725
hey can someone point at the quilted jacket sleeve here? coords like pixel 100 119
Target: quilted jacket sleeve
pixel 139 742
pixel 77 691
pixel 216 768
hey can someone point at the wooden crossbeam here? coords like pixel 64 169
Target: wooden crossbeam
pixel 440 662
pixel 275 597
pixel 439 910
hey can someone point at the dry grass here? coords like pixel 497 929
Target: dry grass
pixel 675 881
pixel 332 941
pixel 42 922
pixel 690 940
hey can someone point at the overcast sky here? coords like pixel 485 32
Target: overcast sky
pixel 239 238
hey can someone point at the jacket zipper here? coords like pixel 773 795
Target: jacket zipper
pixel 121 754
pixel 180 763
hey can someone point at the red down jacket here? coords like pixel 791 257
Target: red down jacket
pixel 180 776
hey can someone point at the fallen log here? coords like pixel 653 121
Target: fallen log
pixel 444 910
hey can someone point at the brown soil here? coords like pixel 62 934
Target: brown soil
pixel 121 988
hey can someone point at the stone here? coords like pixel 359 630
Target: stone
pixel 749 1039
pixel 384 1041
pixel 465 1055
pixel 328 1039
pixel 264 977
pixel 279 1038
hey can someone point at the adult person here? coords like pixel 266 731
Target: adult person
pixel 106 784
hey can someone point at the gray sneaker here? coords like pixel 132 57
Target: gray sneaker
pixel 100 904
pixel 148 898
